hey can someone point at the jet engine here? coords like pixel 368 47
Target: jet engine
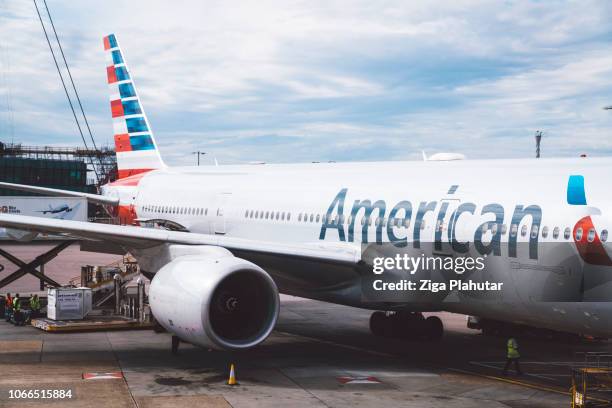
pixel 215 300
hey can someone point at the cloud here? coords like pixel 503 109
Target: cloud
pixel 319 80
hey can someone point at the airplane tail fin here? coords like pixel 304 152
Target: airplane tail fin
pixel 134 142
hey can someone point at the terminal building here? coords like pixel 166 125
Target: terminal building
pixel 65 168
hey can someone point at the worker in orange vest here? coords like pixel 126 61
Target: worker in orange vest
pixel 8 307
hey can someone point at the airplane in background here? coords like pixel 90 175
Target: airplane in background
pixel 220 242
pixel 57 210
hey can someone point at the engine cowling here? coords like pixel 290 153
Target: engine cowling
pixel 215 301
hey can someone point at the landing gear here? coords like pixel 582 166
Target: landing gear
pixel 406 325
pixel 175 344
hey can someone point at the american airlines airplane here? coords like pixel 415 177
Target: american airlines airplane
pixel 221 242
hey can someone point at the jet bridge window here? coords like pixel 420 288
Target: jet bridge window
pixel 566 233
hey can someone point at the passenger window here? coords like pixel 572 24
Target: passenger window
pixel 566 233
pixel 318 216
pixel 311 218
pixel 544 232
pixel 555 233
pixel 604 235
pixel 579 234
pixel 534 231
pixel 277 215
pixel 407 222
pixel 513 230
pixel 288 216
pixel 591 235
pixel 422 224
pixel 523 230
pixel 363 220
pixel 246 214
pixel 206 211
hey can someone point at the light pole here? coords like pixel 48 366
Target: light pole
pixel 538 139
pixel 199 153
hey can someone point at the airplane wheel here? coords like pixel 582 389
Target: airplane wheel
pixel 434 328
pixel 378 323
pixel 408 325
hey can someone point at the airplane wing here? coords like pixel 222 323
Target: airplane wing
pixel 94 198
pixel 141 238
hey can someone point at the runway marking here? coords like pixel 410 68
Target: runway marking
pixel 358 380
pixel 103 376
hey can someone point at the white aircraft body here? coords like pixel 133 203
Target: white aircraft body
pixel 220 242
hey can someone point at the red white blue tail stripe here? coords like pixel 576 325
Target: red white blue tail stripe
pixel 134 143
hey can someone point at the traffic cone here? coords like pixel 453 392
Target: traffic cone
pixel 232 376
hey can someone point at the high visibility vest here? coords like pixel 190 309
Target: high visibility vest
pixel 16 304
pixel 513 348
pixel 34 303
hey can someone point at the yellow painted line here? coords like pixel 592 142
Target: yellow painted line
pixel 523 384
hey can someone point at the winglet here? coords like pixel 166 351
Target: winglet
pixel 575 190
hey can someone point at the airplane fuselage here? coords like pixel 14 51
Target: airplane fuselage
pixel 541 238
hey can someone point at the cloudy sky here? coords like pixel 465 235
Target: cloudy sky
pixel 325 80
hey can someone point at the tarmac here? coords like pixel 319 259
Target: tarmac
pixel 320 355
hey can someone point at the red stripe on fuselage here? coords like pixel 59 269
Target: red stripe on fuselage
pixel 128 181
pixel 131 172
pixel 592 252
pixel 127 215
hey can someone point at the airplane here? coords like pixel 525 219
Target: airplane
pixel 57 210
pixel 220 243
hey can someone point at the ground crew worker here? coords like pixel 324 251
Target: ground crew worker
pixel 17 310
pixel 8 307
pixel 35 305
pixel 512 356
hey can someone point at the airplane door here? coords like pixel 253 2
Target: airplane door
pixel 220 215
